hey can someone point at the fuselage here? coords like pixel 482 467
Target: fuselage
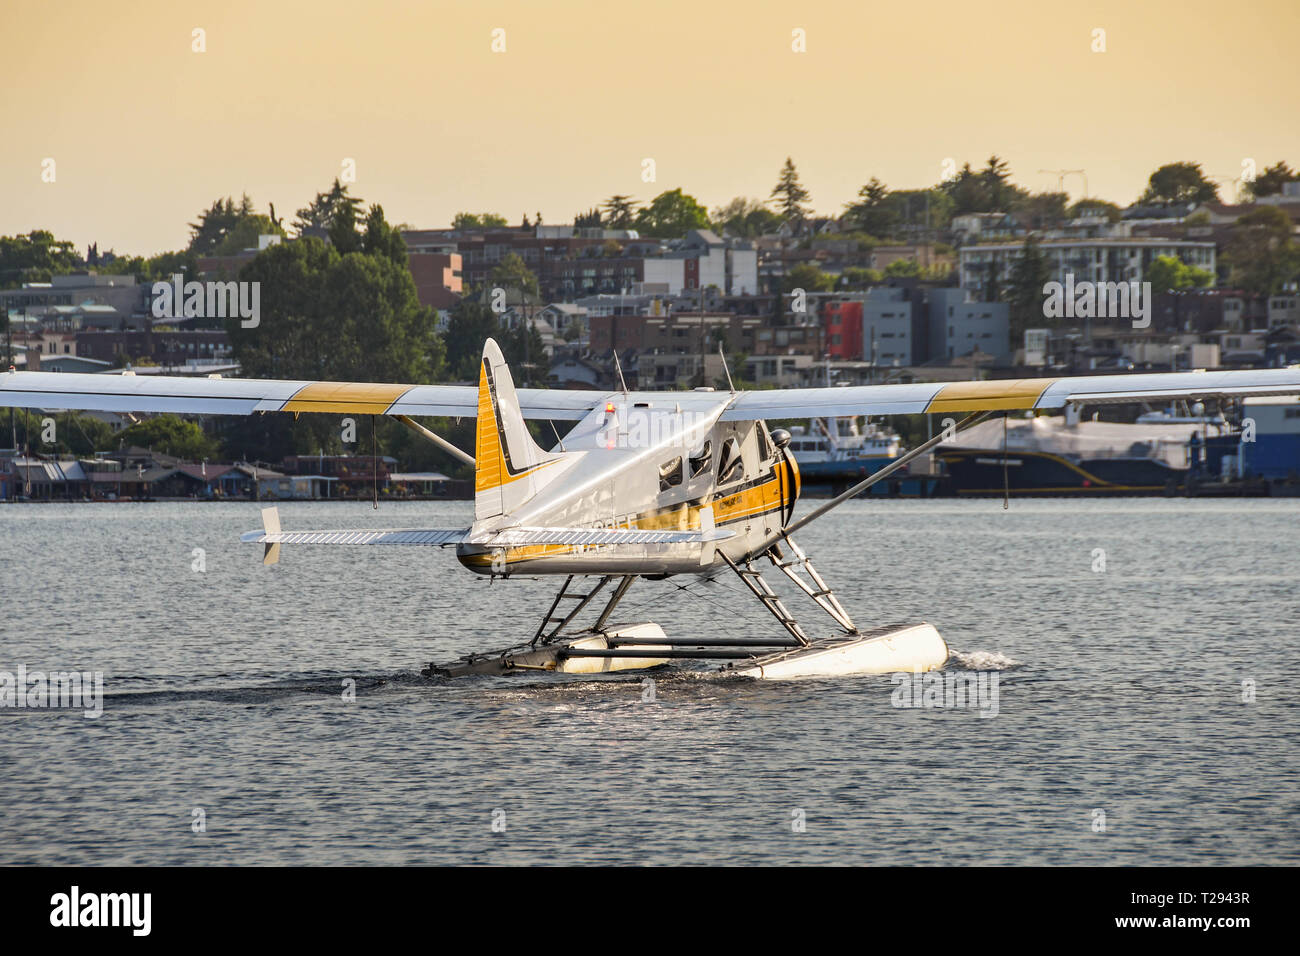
pixel 657 465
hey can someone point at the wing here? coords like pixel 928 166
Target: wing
pixel 997 394
pixel 238 396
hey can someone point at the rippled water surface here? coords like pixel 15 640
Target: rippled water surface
pixel 1120 691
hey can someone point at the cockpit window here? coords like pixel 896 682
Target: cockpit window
pixel 730 464
pixel 702 459
pixel 670 473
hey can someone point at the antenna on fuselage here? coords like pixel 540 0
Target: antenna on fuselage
pixel 722 352
pixel 619 367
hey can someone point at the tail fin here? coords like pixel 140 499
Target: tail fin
pixel 509 467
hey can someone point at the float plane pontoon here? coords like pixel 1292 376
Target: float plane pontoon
pixel 644 485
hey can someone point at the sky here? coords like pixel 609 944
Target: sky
pixel 144 132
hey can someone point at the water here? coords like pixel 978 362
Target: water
pixel 1120 691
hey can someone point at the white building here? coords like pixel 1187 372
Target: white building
pixel 1094 260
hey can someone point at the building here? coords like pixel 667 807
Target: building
pixel 957 325
pixel 437 275
pixel 1093 260
pixel 873 326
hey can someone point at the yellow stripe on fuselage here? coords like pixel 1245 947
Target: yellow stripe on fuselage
pixel 728 509
pixel 992 395
pixel 358 398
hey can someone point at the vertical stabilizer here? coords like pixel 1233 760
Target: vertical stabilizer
pixel 509 466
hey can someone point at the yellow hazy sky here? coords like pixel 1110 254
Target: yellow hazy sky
pixel 144 132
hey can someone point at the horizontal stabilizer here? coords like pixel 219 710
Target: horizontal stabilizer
pixel 273 537
pixel 408 536
pixel 518 537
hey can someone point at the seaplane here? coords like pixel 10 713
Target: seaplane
pixel 643 485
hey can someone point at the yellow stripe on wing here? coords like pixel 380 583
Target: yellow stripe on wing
pixel 358 398
pixel 990 395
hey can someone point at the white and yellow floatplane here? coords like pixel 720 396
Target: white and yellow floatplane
pixel 644 485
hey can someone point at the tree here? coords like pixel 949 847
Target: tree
pixel 590 219
pixel 226 227
pixel 789 195
pixel 471 323
pixel 872 213
pixel 511 273
pixel 989 190
pixel 1029 274
pixel 1095 207
pixel 170 436
pixel 857 278
pixel 321 212
pixel 903 268
pixel 1271 181
pixel 76 434
pixel 487 220
pixel 1041 210
pixel 1261 253
pixel 746 218
pixel 620 212
pixel 995 180
pixel 809 278
pixel 1168 273
pixel 1179 183
pixel 35 257
pixel 346 310
pixel 671 214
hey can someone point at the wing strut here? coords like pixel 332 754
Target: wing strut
pixel 883 473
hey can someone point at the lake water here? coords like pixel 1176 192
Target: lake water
pixel 1120 691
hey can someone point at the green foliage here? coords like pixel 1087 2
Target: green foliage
pixel 472 323
pixel 486 220
pixel 1095 207
pixel 159 268
pixel 225 228
pixel 1025 291
pixel 1168 273
pixel 1271 181
pixel 1261 253
pixel 511 273
pixel 903 268
pixel 75 434
pixel 1041 210
pixel 469 325
pixel 809 278
pixel 932 208
pixel 35 257
pixel 321 212
pixel 332 314
pixel 746 218
pixel 789 195
pixel 671 214
pixel 170 436
pixel 620 212
pixel 857 278
pixel 989 190
pixel 1179 183
pixel 872 213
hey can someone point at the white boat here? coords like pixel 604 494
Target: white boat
pixel 828 441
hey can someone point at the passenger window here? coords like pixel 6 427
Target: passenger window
pixel 702 460
pixel 670 473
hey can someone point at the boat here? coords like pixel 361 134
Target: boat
pixel 832 453
pixel 1054 455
